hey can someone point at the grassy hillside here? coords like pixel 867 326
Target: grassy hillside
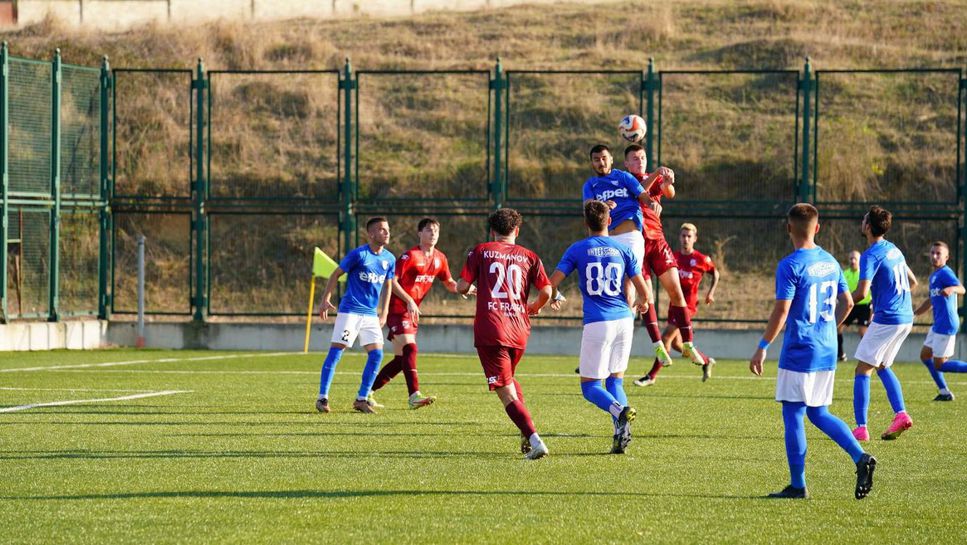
pixel 729 137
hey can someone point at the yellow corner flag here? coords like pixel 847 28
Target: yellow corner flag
pixel 322 267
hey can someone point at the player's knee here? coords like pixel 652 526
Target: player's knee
pixel 938 363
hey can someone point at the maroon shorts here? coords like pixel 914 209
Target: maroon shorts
pixel 499 364
pixel 658 256
pixel 400 324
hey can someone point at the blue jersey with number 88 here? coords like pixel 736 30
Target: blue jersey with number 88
pixel 812 280
pixel 602 264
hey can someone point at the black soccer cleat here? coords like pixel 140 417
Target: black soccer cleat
pixel 790 493
pixel 525 444
pixel 944 397
pixel 322 404
pixel 864 475
pixel 622 436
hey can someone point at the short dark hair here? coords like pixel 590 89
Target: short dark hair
pixel 598 148
pixel 427 221
pixel 374 220
pixel 596 215
pixel 879 219
pixel 942 244
pixel 801 217
pixel 633 148
pixel 504 221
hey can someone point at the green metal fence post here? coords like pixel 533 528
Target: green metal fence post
pixel 348 220
pixel 497 189
pixel 806 84
pixel 103 263
pixel 54 268
pixel 651 85
pixel 962 182
pixel 199 194
pixel 5 171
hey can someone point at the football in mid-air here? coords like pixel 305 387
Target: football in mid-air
pixel 632 128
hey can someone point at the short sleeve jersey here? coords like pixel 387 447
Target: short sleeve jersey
pixel 651 221
pixel 602 265
pixel 885 267
pixel 366 273
pixel 620 187
pixel 691 268
pixel 853 280
pixel 945 319
pixel 504 274
pixel 415 272
pixel 812 280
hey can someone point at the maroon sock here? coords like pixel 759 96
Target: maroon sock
pixel 651 324
pixel 521 417
pixel 520 393
pixel 654 369
pixel 409 368
pixel 387 373
pixel 678 317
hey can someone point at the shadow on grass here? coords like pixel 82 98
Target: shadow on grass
pixel 349 494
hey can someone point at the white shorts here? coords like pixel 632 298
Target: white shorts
pixel 605 348
pixel 941 345
pixel 348 326
pixel 880 344
pixel 636 241
pixel 813 389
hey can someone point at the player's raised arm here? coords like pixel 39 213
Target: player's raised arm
pixel 776 320
pixel 327 294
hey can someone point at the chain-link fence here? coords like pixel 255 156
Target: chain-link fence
pixel 234 176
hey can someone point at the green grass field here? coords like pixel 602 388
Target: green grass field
pixel 240 455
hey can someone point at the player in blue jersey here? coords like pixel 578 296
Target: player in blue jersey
pixel 939 345
pixel 371 268
pixel 884 273
pixel 809 284
pixel 625 195
pixel 602 265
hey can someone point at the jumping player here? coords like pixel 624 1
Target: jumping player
pixel 884 272
pixel 370 267
pixel 692 266
pixel 808 284
pixel 624 195
pixel 939 345
pixel 504 273
pixel 416 270
pixel 602 265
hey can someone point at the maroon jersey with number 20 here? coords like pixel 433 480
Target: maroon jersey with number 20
pixel 504 274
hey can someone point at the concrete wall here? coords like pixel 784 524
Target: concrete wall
pixel 74 335
pixel 121 14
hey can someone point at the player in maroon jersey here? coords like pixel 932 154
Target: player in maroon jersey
pixel 416 269
pixel 658 255
pixel 692 266
pixel 504 274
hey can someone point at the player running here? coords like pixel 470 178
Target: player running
pixel 602 265
pixel 370 267
pixel 939 345
pixel 416 270
pixel 692 267
pixel 884 272
pixel 624 195
pixel 658 255
pixel 808 284
pixel 504 273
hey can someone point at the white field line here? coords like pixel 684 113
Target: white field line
pixel 100 400
pixel 69 389
pixel 135 362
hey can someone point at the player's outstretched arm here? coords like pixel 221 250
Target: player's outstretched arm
pixel 776 320
pixel 327 294
pixel 844 307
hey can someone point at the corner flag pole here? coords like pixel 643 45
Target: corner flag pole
pixel 322 267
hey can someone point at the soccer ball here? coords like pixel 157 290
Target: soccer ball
pixel 632 128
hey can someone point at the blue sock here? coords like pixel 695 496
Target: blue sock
pixel 616 387
pixel 953 366
pixel 792 415
pixel 329 370
pixel 836 429
pixel 861 398
pixel 601 398
pixel 893 391
pixel 373 360
pixel 935 374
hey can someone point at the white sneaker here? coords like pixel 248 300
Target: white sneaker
pixel 662 355
pixel 538 451
pixel 373 403
pixel 645 381
pixel 707 369
pixel 692 353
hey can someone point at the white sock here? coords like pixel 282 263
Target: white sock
pixel 615 409
pixel 535 440
pixel 945 392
